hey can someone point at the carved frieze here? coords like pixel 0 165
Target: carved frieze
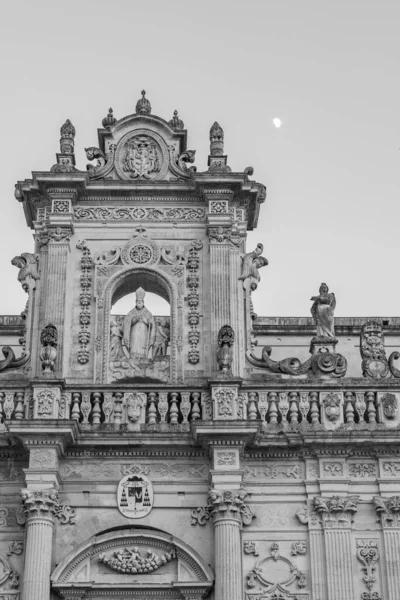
pixel 287 471
pixel 139 213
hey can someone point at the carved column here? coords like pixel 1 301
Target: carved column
pixel 59 234
pixel 229 512
pixel 388 510
pixel 336 516
pixel 39 507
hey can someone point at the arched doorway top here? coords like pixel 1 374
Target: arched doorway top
pixel 133 563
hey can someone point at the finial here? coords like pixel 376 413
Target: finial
pixel 176 122
pixel 67 133
pixel 109 120
pixel 143 106
pixel 216 140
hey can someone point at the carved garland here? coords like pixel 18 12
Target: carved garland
pixel 193 301
pixel 85 298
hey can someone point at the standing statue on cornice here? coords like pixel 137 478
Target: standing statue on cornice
pixel 139 330
pixel 322 311
pixel 251 262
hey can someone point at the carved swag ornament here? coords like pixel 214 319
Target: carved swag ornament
pixel 131 561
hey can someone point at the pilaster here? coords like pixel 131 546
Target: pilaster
pixel 388 510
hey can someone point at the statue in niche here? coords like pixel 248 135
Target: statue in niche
pixel 251 262
pixel 139 330
pixel 162 337
pixel 138 345
pixel 322 312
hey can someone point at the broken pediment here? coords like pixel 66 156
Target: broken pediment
pixel 141 147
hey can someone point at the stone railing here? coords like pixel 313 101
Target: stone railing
pixel 168 410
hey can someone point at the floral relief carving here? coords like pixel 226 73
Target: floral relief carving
pixel 266 572
pixel 368 555
pixel 45 402
pixel 250 548
pixel 298 548
pixel 125 213
pixel 15 547
pixel 275 471
pixel 362 470
pixel 85 299
pixel 131 560
pixel 335 469
pixel 392 468
pixel 193 299
pixel 226 458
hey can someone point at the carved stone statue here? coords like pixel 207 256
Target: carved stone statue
pixel 116 333
pixel 162 337
pixel 251 262
pixel 322 311
pixel 139 330
pixel 226 337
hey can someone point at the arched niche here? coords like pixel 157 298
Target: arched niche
pixel 162 369
pixel 102 567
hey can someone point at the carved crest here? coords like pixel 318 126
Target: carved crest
pixel 135 496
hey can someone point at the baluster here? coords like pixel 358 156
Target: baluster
pixel 152 408
pixel 195 406
pixel 252 410
pixel 8 405
pixel 349 410
pixel 371 410
pixel 283 406
pixel 86 407
pixel 19 408
pixel 163 406
pixel 185 406
pixel 173 411
pixel 360 405
pixel 314 408
pixel 108 407
pixel 293 407
pixel 304 405
pixel 263 404
pixel 273 411
pixel 96 413
pixel 76 413
pixel 118 408
pixel 2 396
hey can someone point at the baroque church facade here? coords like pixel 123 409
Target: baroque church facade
pixel 207 453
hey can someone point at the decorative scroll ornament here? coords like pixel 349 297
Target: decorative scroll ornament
pixel 227 503
pixel 226 338
pixel 388 510
pixel 321 364
pixel 372 348
pixel 131 561
pixel 251 262
pixel 368 555
pixel 48 351
pixel 135 496
pixel 9 577
pixel 104 164
pixel 139 213
pixel 336 511
pixel 265 571
pixel 250 548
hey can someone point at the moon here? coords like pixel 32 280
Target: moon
pixel 277 122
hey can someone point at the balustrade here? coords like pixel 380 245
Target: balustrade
pixel 172 408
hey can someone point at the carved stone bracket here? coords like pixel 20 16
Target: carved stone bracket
pixel 388 510
pixel 337 511
pixel 224 504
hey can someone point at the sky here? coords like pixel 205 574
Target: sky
pixel 328 69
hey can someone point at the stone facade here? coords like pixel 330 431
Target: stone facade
pixel 189 455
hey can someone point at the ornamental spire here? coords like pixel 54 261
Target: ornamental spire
pixel 143 106
pixel 176 122
pixel 109 120
pixel 66 157
pixel 217 160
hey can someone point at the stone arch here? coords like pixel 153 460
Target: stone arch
pixel 95 566
pixel 152 279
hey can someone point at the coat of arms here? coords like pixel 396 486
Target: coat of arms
pixel 135 496
pixel 141 157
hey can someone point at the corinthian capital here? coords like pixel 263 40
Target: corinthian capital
pixel 336 511
pixel 40 503
pixel 224 504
